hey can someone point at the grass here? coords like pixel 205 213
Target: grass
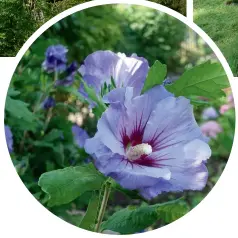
pixel 220 22
pixel 177 5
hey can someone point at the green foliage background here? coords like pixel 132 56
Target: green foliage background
pixel 20 18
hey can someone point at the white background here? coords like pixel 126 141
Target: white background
pixel 23 216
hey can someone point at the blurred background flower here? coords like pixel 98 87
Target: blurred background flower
pixel 229 103
pixel 80 135
pixel 209 113
pixel 48 103
pixel 211 129
pixel 55 58
pixel 9 138
pixel 69 75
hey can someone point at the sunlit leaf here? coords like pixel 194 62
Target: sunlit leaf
pixel 131 220
pixel 65 185
pixel 156 75
pixel 89 219
pixel 207 79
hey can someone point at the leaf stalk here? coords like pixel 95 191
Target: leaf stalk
pixel 107 190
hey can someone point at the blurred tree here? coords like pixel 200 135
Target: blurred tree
pixel 14 26
pixel 177 5
pixel 127 29
pixel 152 34
pixel 20 18
pixel 87 31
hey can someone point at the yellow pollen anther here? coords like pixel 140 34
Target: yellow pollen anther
pixel 135 152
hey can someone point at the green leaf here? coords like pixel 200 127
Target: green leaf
pixel 132 220
pixel 65 185
pixel 226 142
pixel 53 135
pixel 89 219
pixel 60 155
pixel 43 144
pixel 156 75
pixel 12 92
pixel 106 88
pixel 207 79
pixel 172 211
pixel 19 110
pixel 231 121
pixel 65 126
pixel 23 125
pixel 199 102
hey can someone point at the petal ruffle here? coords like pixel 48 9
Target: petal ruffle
pixel 192 178
pixel 129 176
pixel 101 67
pixel 187 166
pixel 171 123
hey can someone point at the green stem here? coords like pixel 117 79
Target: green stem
pixel 37 107
pixel 49 113
pixel 103 207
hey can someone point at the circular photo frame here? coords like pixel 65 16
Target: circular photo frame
pixel 120 117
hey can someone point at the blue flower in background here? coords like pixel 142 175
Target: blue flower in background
pixel 170 80
pixel 65 82
pixel 209 113
pixel 62 136
pixel 72 68
pixel 55 58
pixel 151 143
pixel 70 75
pixel 48 103
pixel 80 135
pixel 9 138
pixel 101 67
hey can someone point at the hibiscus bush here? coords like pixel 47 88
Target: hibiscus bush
pixel 111 142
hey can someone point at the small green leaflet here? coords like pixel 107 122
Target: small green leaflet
pixel 43 144
pixel 106 88
pixel 132 220
pixel 54 134
pixel 207 79
pixel 100 107
pixel 65 185
pixel 89 219
pixel 12 92
pixel 156 75
pixel 19 110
